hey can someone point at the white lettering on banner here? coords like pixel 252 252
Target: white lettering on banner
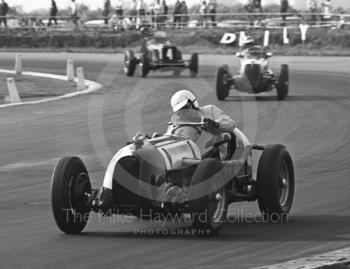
pixel 242 38
pixel 303 29
pixel 285 36
pixel 228 38
pixel 266 38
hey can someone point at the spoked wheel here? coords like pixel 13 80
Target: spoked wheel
pixel 71 188
pixel 282 85
pixel 194 65
pixel 145 64
pixel 208 198
pixel 222 83
pixel 275 183
pixel 130 63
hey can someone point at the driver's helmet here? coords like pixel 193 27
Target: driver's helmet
pixel 184 99
pixel 248 41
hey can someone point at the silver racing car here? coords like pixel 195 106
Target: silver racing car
pixel 254 75
pixel 181 173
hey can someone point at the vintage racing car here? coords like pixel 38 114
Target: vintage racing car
pixel 254 75
pixel 159 54
pixel 181 173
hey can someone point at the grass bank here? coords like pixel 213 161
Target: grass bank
pixel 34 87
pixel 319 41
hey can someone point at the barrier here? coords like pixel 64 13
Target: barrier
pixel 13 92
pixel 18 65
pixel 81 80
pixel 70 70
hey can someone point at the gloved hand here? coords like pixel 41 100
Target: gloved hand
pixel 211 124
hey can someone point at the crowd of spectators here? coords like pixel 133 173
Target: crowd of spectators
pixel 158 15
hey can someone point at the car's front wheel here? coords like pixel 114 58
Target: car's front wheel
pixel 145 64
pixel 282 85
pixel 194 65
pixel 130 63
pixel 70 190
pixel 208 200
pixel 222 83
pixel 275 183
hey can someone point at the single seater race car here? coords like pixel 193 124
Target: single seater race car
pixel 254 75
pixel 179 173
pixel 159 54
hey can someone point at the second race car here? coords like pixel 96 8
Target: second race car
pixel 160 54
pixel 254 75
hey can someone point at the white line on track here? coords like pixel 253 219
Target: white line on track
pixel 341 256
pixel 91 87
pixel 23 165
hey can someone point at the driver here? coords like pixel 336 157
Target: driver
pixel 248 43
pixel 214 117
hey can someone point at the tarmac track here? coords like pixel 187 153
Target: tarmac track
pixel 313 123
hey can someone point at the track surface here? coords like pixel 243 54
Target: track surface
pixel 313 123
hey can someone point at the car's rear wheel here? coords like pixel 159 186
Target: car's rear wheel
pixel 282 85
pixel 145 64
pixel 70 192
pixel 194 63
pixel 275 183
pixel 130 63
pixel 208 200
pixel 222 83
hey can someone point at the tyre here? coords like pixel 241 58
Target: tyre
pixel 145 64
pixel 194 65
pixel 209 199
pixel 282 85
pixel 130 63
pixel 69 195
pixel 275 183
pixel 222 84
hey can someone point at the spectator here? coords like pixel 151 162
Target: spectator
pixel 74 12
pixel 177 14
pixel 141 13
pixel 4 8
pixel 312 7
pixel 106 10
pixel 151 8
pixel 164 11
pixel 203 14
pixel 284 10
pixel 254 6
pixel 212 10
pixel 133 11
pixel 53 13
pixel 119 9
pixel 184 13
pixel 157 14
pixel 326 10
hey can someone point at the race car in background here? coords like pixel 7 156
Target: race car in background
pixel 254 75
pixel 158 53
pixel 180 173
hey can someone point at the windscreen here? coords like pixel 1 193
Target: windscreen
pixel 187 116
pixel 256 53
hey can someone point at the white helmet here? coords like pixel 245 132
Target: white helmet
pixel 181 99
pixel 248 40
